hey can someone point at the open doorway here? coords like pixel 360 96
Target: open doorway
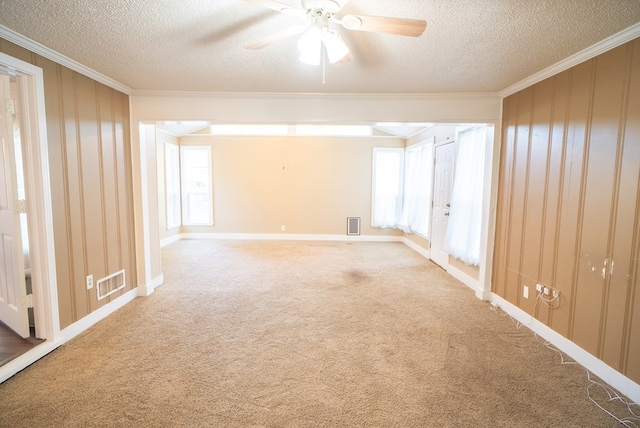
pixel 17 320
pixel 28 304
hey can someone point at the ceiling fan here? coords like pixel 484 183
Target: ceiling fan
pixel 319 39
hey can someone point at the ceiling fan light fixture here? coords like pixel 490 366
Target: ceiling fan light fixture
pixel 334 44
pixel 310 46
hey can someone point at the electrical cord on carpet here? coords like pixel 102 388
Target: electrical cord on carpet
pixel 630 421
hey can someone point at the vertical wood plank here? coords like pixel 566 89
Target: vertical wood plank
pixel 518 216
pixel 578 92
pixel 620 240
pixel 75 204
pixel 557 175
pixel 91 186
pixel 535 192
pixel 109 180
pixel 125 188
pixel 555 163
pixel 601 164
pixel 499 281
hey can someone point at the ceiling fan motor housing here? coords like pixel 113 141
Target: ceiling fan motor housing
pixel 332 6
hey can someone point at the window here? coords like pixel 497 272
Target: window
pixel 197 204
pixel 401 195
pixel 387 186
pixel 172 185
pixel 416 207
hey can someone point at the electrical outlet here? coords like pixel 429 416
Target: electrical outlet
pixel 556 294
pixel 539 288
pixel 546 290
pixel 282 228
pixel 89 282
pixel 525 292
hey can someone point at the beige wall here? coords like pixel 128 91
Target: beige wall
pixel 309 184
pixel 569 204
pixel 90 164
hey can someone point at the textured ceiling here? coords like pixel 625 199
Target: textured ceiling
pixel 197 45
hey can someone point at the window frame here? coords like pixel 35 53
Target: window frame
pixel 184 189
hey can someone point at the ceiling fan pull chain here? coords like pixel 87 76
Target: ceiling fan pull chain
pixel 324 55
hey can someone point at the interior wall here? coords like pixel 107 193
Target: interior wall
pixel 569 204
pixel 308 184
pixel 90 165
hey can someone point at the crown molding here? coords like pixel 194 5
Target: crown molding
pixel 607 44
pixel 48 53
pixel 317 95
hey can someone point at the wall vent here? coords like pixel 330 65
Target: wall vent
pixel 110 284
pixel 353 225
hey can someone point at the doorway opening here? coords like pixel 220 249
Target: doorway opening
pixel 28 294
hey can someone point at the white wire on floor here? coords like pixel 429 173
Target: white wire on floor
pixel 630 421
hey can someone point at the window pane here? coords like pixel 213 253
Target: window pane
pixel 196 185
pixel 416 210
pixel 387 185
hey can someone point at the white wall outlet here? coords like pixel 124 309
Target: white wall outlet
pixel 546 290
pixel 556 293
pixel 525 292
pixel 539 288
pixel 89 282
pixel 282 228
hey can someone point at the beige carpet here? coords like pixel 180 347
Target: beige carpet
pixel 302 334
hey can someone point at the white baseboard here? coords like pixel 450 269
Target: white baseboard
pixel 169 240
pixel 23 361
pixel 145 290
pixel 99 314
pixel 598 367
pixel 417 248
pixel 289 237
pixel 470 282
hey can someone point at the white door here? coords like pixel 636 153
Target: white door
pixel 13 293
pixel 442 186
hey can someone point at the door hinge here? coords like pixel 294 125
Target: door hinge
pixel 11 106
pixel 28 301
pixel 21 206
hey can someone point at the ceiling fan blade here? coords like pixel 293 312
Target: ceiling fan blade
pixel 380 24
pixel 281 35
pixel 280 7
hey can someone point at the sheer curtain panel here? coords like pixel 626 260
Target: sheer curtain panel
pixel 463 236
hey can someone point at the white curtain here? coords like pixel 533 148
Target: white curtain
pixel 416 207
pixel 387 186
pixel 462 240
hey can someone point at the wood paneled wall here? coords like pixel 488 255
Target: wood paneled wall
pixel 91 184
pixel 569 204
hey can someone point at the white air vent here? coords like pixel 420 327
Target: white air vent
pixel 353 225
pixel 110 284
